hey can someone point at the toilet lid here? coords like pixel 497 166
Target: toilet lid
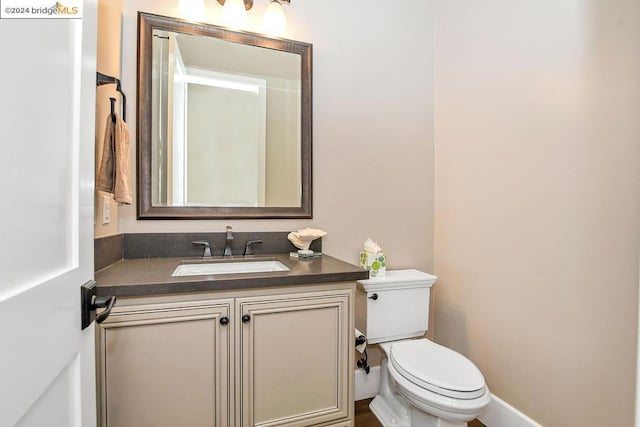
pixel 437 368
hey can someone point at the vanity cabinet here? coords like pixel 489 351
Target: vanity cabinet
pixel 166 364
pixel 293 359
pixel 274 357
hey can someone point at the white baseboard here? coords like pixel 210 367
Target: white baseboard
pixel 500 414
pixel 367 385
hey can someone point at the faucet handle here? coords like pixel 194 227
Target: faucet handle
pixel 247 246
pixel 227 245
pixel 207 248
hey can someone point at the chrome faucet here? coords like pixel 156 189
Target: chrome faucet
pixel 229 240
pixel 248 245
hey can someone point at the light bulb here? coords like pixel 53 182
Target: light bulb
pixel 234 15
pixel 275 21
pixel 192 9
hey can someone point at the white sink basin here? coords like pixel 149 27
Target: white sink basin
pixel 230 267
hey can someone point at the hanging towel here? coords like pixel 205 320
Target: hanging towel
pixel 114 173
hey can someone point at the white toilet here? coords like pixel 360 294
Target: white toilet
pixel 422 384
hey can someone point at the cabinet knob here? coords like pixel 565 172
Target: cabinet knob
pixel 373 297
pixel 224 321
pixel 246 318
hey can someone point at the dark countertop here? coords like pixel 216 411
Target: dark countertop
pixel 152 276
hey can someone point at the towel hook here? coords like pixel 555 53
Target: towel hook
pixel 113 109
pixel 103 79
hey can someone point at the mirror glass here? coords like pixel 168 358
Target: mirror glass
pixel 224 123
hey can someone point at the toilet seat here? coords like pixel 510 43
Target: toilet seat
pixel 438 369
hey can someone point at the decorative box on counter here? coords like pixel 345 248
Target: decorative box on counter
pixel 376 264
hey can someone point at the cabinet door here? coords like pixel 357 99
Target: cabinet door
pixel 295 359
pixel 166 365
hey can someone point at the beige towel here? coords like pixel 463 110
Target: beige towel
pixel 114 173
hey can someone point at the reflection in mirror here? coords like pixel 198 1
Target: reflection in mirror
pixel 215 152
pixel 224 123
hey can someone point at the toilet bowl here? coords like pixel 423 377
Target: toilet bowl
pixel 422 384
pixel 433 379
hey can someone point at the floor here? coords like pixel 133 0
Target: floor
pixel 365 418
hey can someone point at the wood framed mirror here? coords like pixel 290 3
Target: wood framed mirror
pixel 224 123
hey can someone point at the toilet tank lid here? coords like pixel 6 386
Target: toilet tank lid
pixel 399 278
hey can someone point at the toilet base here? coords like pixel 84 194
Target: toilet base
pixel 387 416
pixel 406 416
pixel 392 410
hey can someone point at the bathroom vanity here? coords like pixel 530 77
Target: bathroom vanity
pixel 248 349
pixel 223 348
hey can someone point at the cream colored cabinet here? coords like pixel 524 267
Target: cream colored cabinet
pixel 166 365
pixel 248 358
pixel 293 357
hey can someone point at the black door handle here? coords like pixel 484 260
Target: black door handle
pixel 246 318
pixel 224 321
pixel 103 302
pixel 90 301
pixel 373 297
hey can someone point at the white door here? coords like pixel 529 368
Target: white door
pixel 47 104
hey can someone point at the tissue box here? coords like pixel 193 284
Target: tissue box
pixel 376 264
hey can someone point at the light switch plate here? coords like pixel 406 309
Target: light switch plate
pixel 106 210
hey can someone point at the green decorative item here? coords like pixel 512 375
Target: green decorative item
pixel 363 259
pixel 375 264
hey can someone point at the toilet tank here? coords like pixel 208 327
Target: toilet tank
pixel 395 306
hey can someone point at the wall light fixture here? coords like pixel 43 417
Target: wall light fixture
pixel 234 15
